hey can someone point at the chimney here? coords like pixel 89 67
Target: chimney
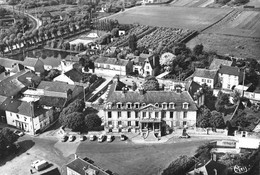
pixel 125 89
pixel 29 79
pixel 141 91
pixel 178 89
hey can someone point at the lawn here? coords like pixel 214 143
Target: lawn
pixel 134 159
pixel 169 16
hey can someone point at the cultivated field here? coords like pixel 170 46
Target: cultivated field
pixel 223 44
pixel 255 3
pixel 192 3
pixel 246 23
pixel 169 16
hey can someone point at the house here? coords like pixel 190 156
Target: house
pixel 80 166
pixel 46 16
pixel 148 1
pixel 73 77
pixel 216 63
pixel 57 94
pixel 195 91
pixel 27 116
pixel 119 66
pixel 150 63
pixel 121 32
pixel 111 50
pixel 201 76
pixel 34 64
pixel 145 111
pixel 19 82
pixel 9 64
pixel 230 76
pixel 210 168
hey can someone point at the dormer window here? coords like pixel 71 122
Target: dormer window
pixel 109 105
pixel 137 105
pixel 129 105
pixel 119 105
pixel 185 105
pixel 164 105
pixel 156 105
pixel 171 105
pixel 143 104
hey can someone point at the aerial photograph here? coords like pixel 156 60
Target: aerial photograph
pixel 130 87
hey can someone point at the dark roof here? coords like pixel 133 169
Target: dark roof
pixel 113 61
pixel 56 86
pixel 17 68
pixel 230 70
pixel 3 104
pixel 24 108
pixel 8 63
pixel 205 73
pixel 12 85
pixel 46 14
pixel 211 165
pixel 72 58
pixel 74 75
pixel 79 164
pixel 151 97
pixel 31 62
pixel 192 87
pixel 53 101
pixel 216 63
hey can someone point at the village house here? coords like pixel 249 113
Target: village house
pixel 46 16
pixel 118 66
pixel 229 76
pixel 55 94
pixel 80 166
pixel 17 83
pixel 11 66
pixel 201 76
pixel 146 111
pixel 149 65
pixel 34 64
pixel 216 63
pixel 210 168
pixel 27 115
pixel 195 90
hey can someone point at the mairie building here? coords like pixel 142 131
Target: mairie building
pixel 143 111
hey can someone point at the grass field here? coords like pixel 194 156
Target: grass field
pixel 232 45
pixel 255 3
pixel 169 16
pixel 192 3
pixel 246 23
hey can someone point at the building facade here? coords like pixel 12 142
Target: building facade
pixel 139 111
pixel 205 76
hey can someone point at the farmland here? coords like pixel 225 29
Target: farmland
pixel 192 3
pixel 174 17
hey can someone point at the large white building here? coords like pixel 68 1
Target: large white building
pixel 147 111
pixel 203 76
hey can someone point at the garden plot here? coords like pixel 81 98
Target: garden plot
pixel 246 24
pixel 174 17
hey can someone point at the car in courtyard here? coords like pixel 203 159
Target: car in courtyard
pixel 39 164
pixel 34 163
pixel 101 138
pixel 92 137
pixel 64 138
pixel 19 133
pixel 110 138
pixel 184 136
pixel 82 138
pixel 72 138
pixel 123 137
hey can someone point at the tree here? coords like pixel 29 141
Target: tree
pixel 204 151
pixel 217 120
pixel 134 86
pixel 52 74
pixel 74 121
pixel 114 32
pixel 204 116
pixel 92 121
pixel 100 101
pixel 198 49
pixel 3 11
pixel 151 84
pixel 180 166
pixel 7 138
pixel 222 100
pixel 166 60
pixel 132 42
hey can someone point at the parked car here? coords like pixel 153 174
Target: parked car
pixel 184 137
pixel 72 138
pixel 101 138
pixel 19 133
pixel 39 164
pixel 123 137
pixel 109 138
pixel 82 137
pixel 92 137
pixel 64 138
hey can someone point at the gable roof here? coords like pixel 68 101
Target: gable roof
pixel 216 63
pixel 29 61
pixel 113 61
pixel 152 97
pixel 74 75
pixel 230 70
pixel 8 63
pixel 192 87
pixel 46 14
pixel 12 85
pixel 56 86
pixel 79 164
pixel 17 68
pixel 205 73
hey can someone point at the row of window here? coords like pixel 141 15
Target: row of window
pixel 206 81
pixel 129 105
pixel 129 123
pixel 145 114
